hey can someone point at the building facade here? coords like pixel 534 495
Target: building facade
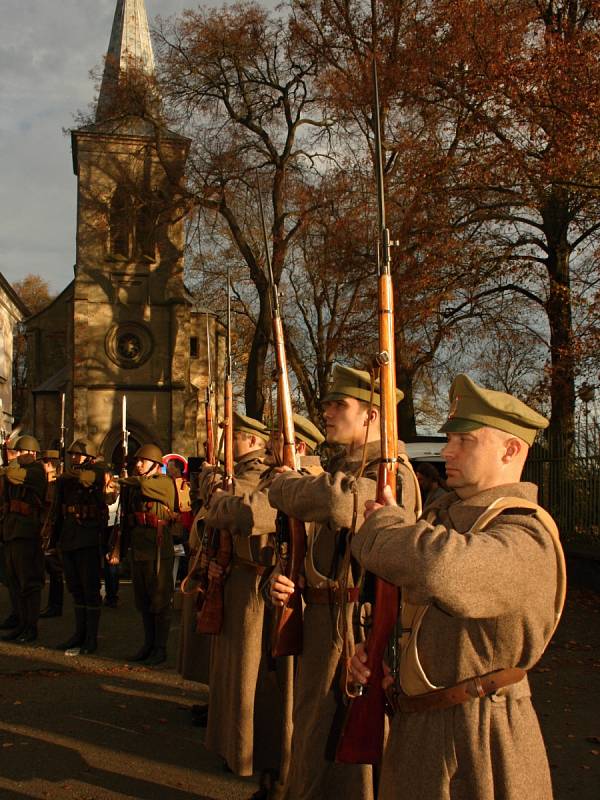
pixel 126 325
pixel 12 313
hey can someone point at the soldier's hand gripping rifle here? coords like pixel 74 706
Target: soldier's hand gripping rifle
pixel 220 547
pixel 114 555
pixel 291 533
pixel 362 737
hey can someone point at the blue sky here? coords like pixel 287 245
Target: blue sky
pixel 47 50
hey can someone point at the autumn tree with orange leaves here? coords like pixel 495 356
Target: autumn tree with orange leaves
pixel 491 113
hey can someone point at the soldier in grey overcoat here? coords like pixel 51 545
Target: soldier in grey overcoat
pixel 482 579
pixel 331 501
pixel 236 650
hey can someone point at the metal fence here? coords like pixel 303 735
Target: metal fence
pixel 569 487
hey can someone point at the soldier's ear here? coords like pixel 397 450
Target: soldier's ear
pixel 513 447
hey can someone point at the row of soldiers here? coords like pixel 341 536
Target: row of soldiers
pixel 481 576
pixel 482 581
pixel 44 513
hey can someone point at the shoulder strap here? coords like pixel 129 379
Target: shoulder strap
pixel 413 679
pixel 403 457
pixel 506 503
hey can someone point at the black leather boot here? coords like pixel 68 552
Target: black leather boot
pixel 146 649
pixel 30 634
pixel 162 626
pixel 12 621
pixel 92 620
pixel 78 637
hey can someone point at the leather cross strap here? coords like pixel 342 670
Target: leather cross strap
pixel 469 689
pixel 329 596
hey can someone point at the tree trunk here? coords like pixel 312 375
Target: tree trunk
pixel 558 307
pixel 407 426
pixel 255 373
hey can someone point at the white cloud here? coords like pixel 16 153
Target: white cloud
pixel 47 50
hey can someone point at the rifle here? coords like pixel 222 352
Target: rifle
pixel 210 429
pixel 114 555
pixel 210 616
pixel 3 436
pixel 198 570
pixel 361 741
pixel 63 432
pixel 291 533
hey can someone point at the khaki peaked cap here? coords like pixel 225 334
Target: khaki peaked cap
pixel 350 382
pixel 52 455
pixel 249 426
pixel 305 431
pixel 473 407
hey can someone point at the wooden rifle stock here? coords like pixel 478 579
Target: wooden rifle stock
pixel 362 737
pixel 210 617
pixel 287 630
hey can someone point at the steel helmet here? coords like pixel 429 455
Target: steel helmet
pixel 27 442
pixel 150 452
pixel 82 447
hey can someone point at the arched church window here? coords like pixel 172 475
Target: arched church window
pixel 145 229
pixel 120 223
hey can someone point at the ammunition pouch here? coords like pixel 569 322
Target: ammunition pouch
pixel 21 507
pixel 330 596
pixel 144 519
pixel 82 512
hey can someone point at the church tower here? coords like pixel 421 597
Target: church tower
pixel 134 332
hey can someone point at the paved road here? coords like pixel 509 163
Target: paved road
pixel 92 728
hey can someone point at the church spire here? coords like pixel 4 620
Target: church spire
pixel 129 47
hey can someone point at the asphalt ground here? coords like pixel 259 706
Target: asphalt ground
pixel 94 728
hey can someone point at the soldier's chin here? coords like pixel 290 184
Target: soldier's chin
pixel 331 438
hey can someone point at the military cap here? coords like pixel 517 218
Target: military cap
pixel 473 407
pixel 50 454
pixel 250 426
pixel 350 382
pixel 83 447
pixel 27 442
pixel 150 452
pixel 307 432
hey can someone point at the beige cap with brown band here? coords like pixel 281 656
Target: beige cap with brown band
pixel 250 426
pixel 350 382
pixel 473 407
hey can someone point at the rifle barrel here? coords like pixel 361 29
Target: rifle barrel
pixel 362 737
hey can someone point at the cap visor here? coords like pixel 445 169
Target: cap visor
pixel 459 425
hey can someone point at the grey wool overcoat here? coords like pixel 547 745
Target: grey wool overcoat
pixel 493 604
pixel 328 501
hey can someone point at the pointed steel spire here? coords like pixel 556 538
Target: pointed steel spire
pixel 129 46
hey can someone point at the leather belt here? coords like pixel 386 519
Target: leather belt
pixel 469 689
pixel 329 596
pixel 147 520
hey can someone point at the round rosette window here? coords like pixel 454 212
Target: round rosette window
pixel 129 345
